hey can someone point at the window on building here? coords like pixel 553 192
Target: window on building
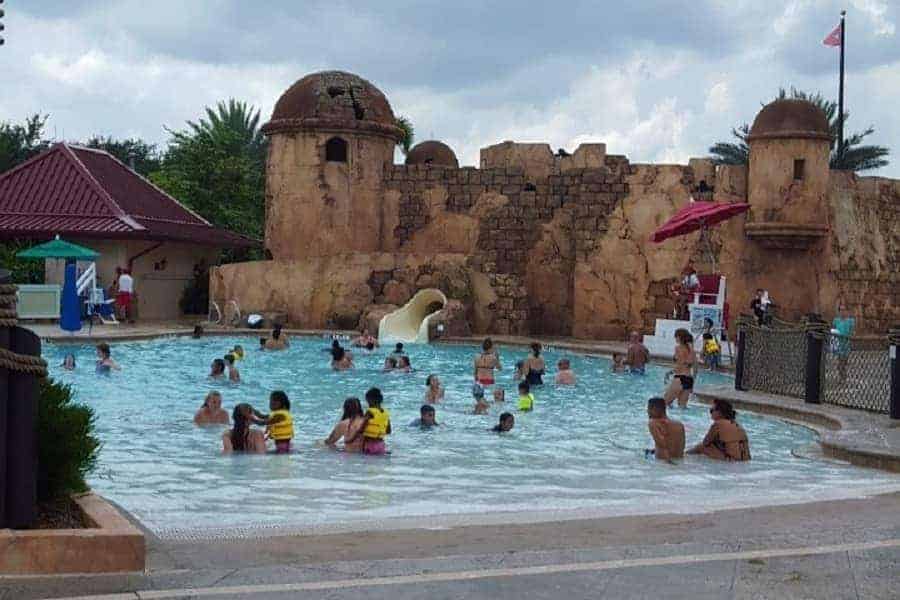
pixel 336 150
pixel 799 165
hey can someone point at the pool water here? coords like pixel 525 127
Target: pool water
pixel 581 449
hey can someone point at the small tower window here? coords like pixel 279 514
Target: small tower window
pixel 799 166
pixel 336 150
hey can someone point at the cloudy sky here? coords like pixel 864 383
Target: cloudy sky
pixel 657 80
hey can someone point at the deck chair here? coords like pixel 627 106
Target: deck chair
pixel 102 307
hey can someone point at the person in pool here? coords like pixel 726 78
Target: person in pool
pixel 725 440
pixel 481 406
pixel 233 375
pixel 434 392
pixel 242 437
pixel 618 363
pixel 526 398
pixel 534 366
pixel 507 422
pixel 378 424
pixel 279 422
pixel 105 363
pixel 348 428
pixel 682 383
pixel 278 341
pixel 217 369
pixel 238 352
pixel 198 332
pixel 340 359
pixel 211 413
pixel 499 395
pixel 638 355
pixel 403 364
pixel 565 375
pixel 398 351
pixel 390 364
pixel 68 362
pixel 426 418
pixel 486 363
pixel 366 340
pixel 668 434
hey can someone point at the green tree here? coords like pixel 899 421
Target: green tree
pixel 19 142
pixel 145 157
pixel 409 131
pixel 216 166
pixel 855 156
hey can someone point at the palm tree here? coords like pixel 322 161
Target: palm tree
pixel 854 155
pixel 406 127
pixel 231 124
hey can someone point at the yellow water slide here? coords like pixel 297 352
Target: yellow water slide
pixel 410 323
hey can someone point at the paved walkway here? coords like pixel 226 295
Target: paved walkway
pixel 843 549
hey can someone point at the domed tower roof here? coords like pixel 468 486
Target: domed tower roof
pixel 790 118
pixel 432 152
pixel 333 100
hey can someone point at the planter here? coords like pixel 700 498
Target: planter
pixel 111 545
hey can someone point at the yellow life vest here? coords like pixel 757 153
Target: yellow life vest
pixel 526 402
pixel 283 429
pixel 376 426
pixel 710 346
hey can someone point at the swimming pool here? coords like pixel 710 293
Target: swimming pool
pixel 580 450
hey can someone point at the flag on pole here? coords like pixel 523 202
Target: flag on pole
pixel 833 38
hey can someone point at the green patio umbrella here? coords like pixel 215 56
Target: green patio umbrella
pixel 59 249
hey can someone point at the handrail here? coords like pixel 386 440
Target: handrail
pixel 237 310
pixel 213 305
pixel 88 277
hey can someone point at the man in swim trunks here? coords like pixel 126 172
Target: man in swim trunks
pixel 668 434
pixel 638 355
pixel 486 363
pixel 426 418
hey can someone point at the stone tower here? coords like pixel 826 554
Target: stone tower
pixel 330 135
pixel 788 175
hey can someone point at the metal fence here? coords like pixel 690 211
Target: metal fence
pixel 774 358
pixel 853 372
pixel 856 372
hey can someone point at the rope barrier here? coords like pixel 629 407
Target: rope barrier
pixel 12 361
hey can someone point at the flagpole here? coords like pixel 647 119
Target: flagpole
pixel 840 147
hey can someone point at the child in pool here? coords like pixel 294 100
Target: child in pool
pixel 507 421
pixel 262 343
pixel 378 424
pixel 68 362
pixel 565 375
pixel 711 352
pixel 403 364
pixel 217 369
pixel 390 364
pixel 105 363
pixel 481 406
pixel 499 395
pixel 233 375
pixel 434 392
pixel 279 423
pixel 237 352
pixel 526 398
pixel 618 363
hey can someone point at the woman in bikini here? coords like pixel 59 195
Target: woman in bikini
pixel 486 363
pixel 682 382
pixel 348 428
pixel 725 440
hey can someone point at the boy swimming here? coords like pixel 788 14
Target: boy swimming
pixel 526 398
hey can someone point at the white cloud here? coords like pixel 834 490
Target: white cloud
pixel 876 10
pixel 718 98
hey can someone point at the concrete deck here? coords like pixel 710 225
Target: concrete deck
pixel 843 549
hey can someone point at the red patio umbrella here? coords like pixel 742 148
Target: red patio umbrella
pixel 698 215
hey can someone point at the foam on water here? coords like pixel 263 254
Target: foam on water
pixel 580 450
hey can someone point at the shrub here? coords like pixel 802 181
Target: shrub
pixel 67 447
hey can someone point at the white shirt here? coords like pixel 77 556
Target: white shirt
pixel 126 283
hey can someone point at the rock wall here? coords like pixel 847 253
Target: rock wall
pixel 537 243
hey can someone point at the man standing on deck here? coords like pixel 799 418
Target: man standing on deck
pixel 125 295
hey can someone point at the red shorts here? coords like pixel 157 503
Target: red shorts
pixel 485 380
pixel 373 446
pixel 282 446
pixel 123 299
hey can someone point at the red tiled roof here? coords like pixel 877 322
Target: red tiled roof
pixel 69 190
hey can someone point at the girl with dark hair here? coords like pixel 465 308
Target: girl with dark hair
pixel 486 363
pixel 682 376
pixel 279 424
pixel 349 427
pixel 340 358
pixel 507 421
pixel 217 369
pixel 377 426
pixel 534 366
pixel 278 341
pixel 726 439
pixel 241 437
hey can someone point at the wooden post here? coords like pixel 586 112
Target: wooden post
pixel 4 421
pixel 21 436
pixel 739 366
pixel 894 341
